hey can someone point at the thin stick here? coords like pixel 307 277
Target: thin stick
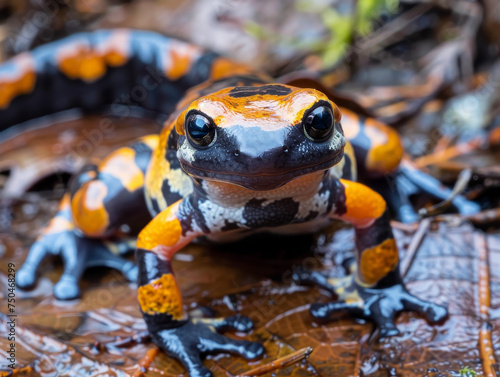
pixel 449 153
pixel 486 348
pixel 403 226
pixel 282 362
pixel 141 337
pixel 146 361
pixel 422 230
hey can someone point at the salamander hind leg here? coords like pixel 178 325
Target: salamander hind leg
pixel 98 215
pixel 379 157
pixel 374 290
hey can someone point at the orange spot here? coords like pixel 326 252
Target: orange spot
pixel 150 140
pixel 386 149
pixel 163 232
pixel 121 164
pixel 27 82
pixel 89 64
pixel 162 296
pixel 378 261
pixel 363 205
pixel 350 124
pixel 92 67
pixel 7 93
pixel 83 64
pixel 87 206
pixel 494 137
pixel 70 66
pixel 182 57
pixel 115 59
pixel 223 67
pixel 10 89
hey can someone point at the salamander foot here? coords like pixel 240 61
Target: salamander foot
pixel 379 305
pixel 197 337
pixel 78 253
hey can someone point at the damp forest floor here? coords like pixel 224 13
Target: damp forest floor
pixel 430 69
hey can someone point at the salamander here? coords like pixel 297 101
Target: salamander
pixel 237 154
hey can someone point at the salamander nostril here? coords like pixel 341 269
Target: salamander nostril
pixel 236 152
pixel 285 148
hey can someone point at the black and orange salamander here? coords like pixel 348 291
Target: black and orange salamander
pixel 238 154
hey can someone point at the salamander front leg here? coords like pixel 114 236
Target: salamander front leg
pixel 374 290
pixel 186 339
pixel 77 253
pixel 87 231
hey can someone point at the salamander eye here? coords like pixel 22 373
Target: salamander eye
pixel 200 130
pixel 318 124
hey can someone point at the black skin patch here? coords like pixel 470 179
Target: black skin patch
pixel 172 140
pixel 124 207
pixel 200 71
pixel 170 196
pixel 86 174
pixel 272 90
pixel 229 226
pixel 375 234
pixel 171 150
pixel 336 196
pixel 189 211
pixel 141 147
pixel 150 266
pixel 155 207
pixel 279 212
pixel 346 169
pixel 142 156
pixel 227 82
pixel 311 216
pixel 361 145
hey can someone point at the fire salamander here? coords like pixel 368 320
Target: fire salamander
pixel 238 154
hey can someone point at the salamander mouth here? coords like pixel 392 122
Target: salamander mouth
pixel 261 181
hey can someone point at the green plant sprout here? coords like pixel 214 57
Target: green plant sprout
pixel 467 372
pixel 341 27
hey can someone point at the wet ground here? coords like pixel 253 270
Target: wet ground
pixel 449 262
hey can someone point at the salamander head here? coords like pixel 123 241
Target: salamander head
pixel 259 137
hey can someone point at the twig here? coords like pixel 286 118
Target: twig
pixel 460 185
pixel 282 362
pixel 141 337
pixel 486 348
pixel 485 217
pixel 449 153
pixel 392 31
pixel 146 361
pixel 404 226
pixel 422 230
